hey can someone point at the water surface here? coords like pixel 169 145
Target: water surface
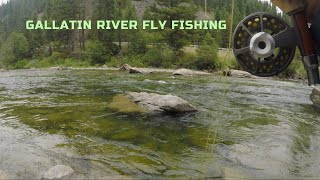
pixel 251 128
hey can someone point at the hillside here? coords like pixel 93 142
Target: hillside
pixel 141 6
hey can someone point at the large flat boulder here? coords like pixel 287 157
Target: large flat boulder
pixel 133 102
pixel 161 103
pixel 315 96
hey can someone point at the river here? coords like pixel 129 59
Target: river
pixel 253 128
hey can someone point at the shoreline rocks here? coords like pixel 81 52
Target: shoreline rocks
pixel 237 73
pixel 179 72
pixel 133 70
pixel 175 72
pixel 315 96
pixel 137 71
pixel 125 67
pixel 188 72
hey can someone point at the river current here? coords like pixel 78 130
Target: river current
pixel 252 128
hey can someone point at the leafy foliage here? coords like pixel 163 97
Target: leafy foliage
pixel 97 53
pixel 15 48
pixel 160 56
pixel 207 53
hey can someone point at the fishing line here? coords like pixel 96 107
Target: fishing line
pixel 217 116
pixel 213 131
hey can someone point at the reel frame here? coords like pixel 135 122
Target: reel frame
pixel 264 44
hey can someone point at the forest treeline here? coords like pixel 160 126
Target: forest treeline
pixel 198 49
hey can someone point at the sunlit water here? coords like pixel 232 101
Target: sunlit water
pixel 245 128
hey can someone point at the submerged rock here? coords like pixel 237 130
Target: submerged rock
pixel 58 172
pixel 188 72
pixel 229 173
pixel 315 96
pixel 161 103
pixel 120 177
pixel 3 175
pixel 157 82
pixel 123 104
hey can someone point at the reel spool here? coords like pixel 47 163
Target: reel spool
pixel 263 44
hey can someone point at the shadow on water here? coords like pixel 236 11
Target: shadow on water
pixel 158 131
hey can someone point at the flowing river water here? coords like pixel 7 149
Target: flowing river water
pixel 252 128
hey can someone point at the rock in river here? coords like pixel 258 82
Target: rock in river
pixel 229 173
pixel 237 73
pixel 125 67
pixel 188 72
pixel 150 102
pixel 133 70
pixel 3 175
pixel 58 172
pixel 315 96
pixel 137 71
pixel 161 103
pixel 123 104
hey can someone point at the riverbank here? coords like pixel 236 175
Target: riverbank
pixel 144 70
pixel 156 58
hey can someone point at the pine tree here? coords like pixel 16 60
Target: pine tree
pixel 105 10
pixel 173 10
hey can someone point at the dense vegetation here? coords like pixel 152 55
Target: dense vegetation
pixel 198 49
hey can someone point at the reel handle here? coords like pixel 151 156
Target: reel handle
pixel 307 47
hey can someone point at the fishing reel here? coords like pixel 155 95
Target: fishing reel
pixel 257 45
pixel 265 45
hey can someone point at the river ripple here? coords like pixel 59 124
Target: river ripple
pixel 246 127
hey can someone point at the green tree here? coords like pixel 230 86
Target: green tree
pixel 36 39
pixel 138 44
pixel 104 9
pixel 207 54
pixel 160 56
pixel 97 53
pixel 60 10
pixel 173 10
pixel 15 48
